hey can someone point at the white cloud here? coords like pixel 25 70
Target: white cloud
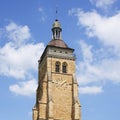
pixel 40 9
pixel 99 70
pixel 106 29
pixel 24 88
pixel 43 15
pixel 87 71
pixel 102 3
pixel 18 62
pixel 106 70
pixel 17 33
pixel 19 59
pixel 90 90
pixel 99 65
pixel 86 51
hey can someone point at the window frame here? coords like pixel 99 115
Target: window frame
pixel 64 67
pixel 57 67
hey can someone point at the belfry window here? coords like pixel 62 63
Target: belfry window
pixel 57 67
pixel 64 67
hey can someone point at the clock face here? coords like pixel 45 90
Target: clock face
pixel 61 83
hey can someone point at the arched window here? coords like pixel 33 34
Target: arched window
pixel 64 67
pixel 57 66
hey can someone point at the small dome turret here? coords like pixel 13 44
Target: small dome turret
pixel 56 37
pixel 56 29
pixel 56 24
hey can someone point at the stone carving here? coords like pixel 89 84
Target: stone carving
pixel 60 83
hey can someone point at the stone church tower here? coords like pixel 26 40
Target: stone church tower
pixel 57 92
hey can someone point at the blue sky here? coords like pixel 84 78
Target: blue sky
pixel 91 27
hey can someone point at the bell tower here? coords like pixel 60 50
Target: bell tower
pixel 57 92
